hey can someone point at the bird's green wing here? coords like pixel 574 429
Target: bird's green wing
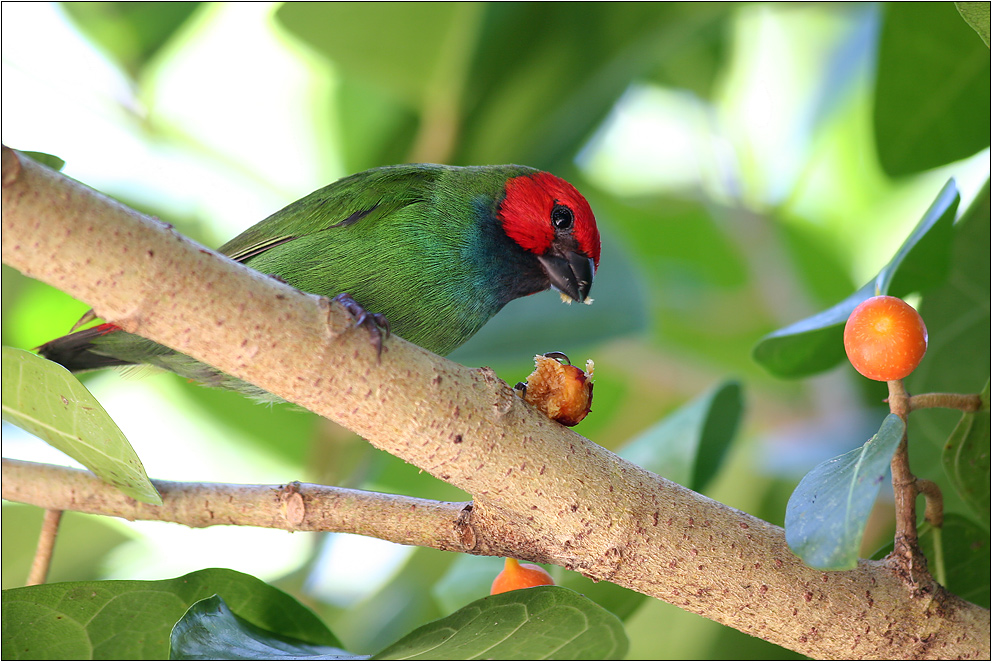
pixel 362 197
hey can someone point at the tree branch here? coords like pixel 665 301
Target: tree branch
pixel 295 507
pixel 541 491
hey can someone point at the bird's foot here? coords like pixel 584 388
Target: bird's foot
pixel 375 323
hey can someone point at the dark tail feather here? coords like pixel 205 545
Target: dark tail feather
pixel 75 351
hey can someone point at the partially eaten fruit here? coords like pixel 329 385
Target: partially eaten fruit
pixel 563 392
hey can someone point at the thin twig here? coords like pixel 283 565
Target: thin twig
pixel 46 544
pixel 964 402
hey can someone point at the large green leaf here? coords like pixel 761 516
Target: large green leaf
pixel 688 445
pixel 537 623
pixel 932 88
pixel 921 263
pixel 826 514
pixel 209 631
pixel 124 619
pixel 46 400
pixel 967 459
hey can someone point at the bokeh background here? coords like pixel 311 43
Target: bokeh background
pixel 749 165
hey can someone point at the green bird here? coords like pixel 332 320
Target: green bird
pixel 434 250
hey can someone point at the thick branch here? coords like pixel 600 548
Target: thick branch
pixel 547 493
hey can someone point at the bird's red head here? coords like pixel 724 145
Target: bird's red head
pixel 540 208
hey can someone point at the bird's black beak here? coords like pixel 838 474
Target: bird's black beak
pixel 570 273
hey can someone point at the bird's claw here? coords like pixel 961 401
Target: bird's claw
pixel 375 323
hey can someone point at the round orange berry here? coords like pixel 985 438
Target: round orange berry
pixel 518 576
pixel 885 338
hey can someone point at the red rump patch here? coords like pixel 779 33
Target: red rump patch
pixel 106 328
pixel 526 213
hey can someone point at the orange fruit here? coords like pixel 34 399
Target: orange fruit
pixel 885 338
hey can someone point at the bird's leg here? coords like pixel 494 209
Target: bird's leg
pixel 376 323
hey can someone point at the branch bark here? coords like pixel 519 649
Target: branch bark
pixel 541 491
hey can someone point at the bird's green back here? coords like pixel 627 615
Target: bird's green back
pixel 420 244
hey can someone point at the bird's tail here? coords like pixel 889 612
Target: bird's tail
pixel 77 351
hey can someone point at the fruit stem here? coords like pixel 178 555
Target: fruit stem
pixel 964 402
pixel 906 550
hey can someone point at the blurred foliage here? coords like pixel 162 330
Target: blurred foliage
pixel 772 201
pixel 132 32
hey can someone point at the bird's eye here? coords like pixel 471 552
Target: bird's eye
pixel 562 217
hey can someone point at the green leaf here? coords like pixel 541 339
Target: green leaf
pixel 49 160
pixel 46 400
pixel 536 623
pixel 977 15
pixel 965 548
pixel 689 444
pixel 210 631
pixel 816 343
pixel 124 619
pixel 932 97
pixel 967 459
pixel 826 514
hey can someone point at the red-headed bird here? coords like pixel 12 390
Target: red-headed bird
pixel 437 250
